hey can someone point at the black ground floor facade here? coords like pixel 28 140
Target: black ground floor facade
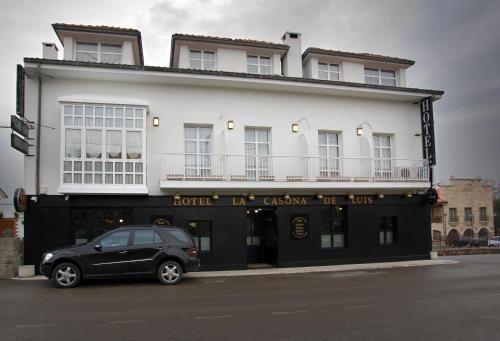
pixel 233 231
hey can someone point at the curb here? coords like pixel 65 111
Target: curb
pixel 300 270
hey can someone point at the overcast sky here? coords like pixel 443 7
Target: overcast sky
pixel 455 43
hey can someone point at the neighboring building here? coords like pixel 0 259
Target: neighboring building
pixel 465 210
pixel 264 152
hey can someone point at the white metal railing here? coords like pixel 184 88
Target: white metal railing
pixel 219 167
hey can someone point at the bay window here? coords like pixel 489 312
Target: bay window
pixel 103 145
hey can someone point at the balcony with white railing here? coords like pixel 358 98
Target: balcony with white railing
pixel 268 171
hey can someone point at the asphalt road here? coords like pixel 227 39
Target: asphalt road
pixel 445 302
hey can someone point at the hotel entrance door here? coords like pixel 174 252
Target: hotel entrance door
pixel 261 235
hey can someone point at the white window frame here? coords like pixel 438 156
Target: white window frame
pixel 330 72
pixel 263 163
pixel 202 59
pixel 379 77
pixel 383 165
pixel 199 171
pixel 333 166
pixel 99 52
pixel 129 167
pixel 259 64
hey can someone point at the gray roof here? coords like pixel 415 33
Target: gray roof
pixel 230 74
pixel 357 55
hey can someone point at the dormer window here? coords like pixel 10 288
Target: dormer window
pixel 202 60
pixel 259 65
pixel 98 53
pixel 329 72
pixel 380 77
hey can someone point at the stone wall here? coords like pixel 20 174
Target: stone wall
pixel 9 257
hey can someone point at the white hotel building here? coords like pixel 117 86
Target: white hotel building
pixel 266 152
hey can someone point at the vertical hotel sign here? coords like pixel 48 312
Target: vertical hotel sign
pixel 427 120
pixel 21 76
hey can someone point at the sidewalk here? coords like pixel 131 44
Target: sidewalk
pixel 300 270
pixel 326 268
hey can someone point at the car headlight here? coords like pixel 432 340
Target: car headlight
pixel 47 257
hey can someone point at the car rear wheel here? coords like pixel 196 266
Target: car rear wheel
pixel 170 273
pixel 66 275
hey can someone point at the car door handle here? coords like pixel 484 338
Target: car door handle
pixel 122 252
pixel 160 247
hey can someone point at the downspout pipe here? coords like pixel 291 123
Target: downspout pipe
pixel 38 133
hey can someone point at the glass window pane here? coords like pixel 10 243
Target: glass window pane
pixel 144 237
pixel 388 82
pixel 262 135
pixel 322 67
pixel 190 133
pixel 110 48
pixel 265 70
pixel 205 133
pixel 208 65
pixel 371 72
pixel 249 135
pixel 195 54
pixel 94 143
pixel 265 61
pixel 372 80
pixel 86 57
pixel 253 68
pixel 252 60
pixel 195 64
pixel 116 239
pixel 134 145
pixel 326 240
pixel 68 109
pixel 323 75
pixel 88 47
pixel 114 144
pixel 388 74
pixel 111 58
pixel 334 67
pixel 73 146
pixel 207 55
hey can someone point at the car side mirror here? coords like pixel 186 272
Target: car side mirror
pixel 98 247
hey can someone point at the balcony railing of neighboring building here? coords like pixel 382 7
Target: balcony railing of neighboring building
pixel 484 220
pixel 453 221
pixel 253 168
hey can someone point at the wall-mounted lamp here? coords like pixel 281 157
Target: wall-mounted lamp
pixel 359 131
pixel 251 197
pixel 409 195
pixel 350 196
pixel 230 124
pixel 177 196
pixel 156 121
pixel 381 195
pixel 286 196
pixel 215 196
pixel 319 196
pixel 295 127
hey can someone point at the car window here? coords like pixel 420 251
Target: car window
pixel 146 237
pixel 179 235
pixel 116 239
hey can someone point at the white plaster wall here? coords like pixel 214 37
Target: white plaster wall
pixel 353 72
pixel 183 57
pixel 178 105
pixel 128 53
pixel 231 60
pixel 68 48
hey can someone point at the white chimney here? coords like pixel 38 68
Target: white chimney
pixel 50 51
pixel 292 62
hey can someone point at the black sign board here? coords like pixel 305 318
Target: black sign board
pixel 21 75
pixel 427 120
pixel 299 226
pixel 19 143
pixel 19 126
pixel 161 220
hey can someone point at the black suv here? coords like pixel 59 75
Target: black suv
pixel 167 252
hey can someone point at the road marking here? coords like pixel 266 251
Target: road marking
pixel 490 295
pixel 366 306
pixel 288 312
pixel 36 325
pixel 126 321
pixel 213 317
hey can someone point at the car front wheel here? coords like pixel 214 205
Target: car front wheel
pixel 170 273
pixel 66 275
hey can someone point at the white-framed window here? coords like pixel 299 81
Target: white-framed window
pixel 380 77
pixel 257 153
pixel 202 60
pixel 329 71
pixel 98 52
pixel 329 154
pixel 103 145
pixel 198 150
pixel 382 154
pixel 259 65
